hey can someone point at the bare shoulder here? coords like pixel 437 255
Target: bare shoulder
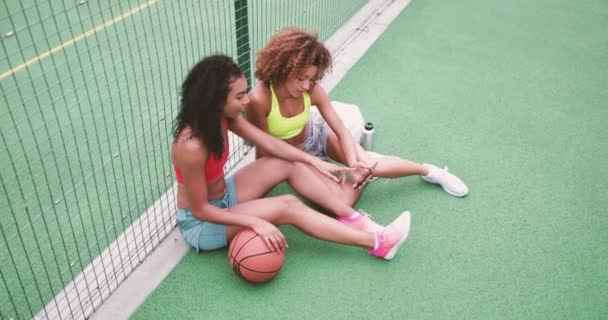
pixel 188 150
pixel 259 98
pixel 319 97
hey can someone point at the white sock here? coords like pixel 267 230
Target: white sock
pixel 355 215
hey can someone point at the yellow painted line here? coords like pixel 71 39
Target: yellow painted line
pixel 76 39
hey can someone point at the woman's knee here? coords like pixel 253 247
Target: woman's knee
pixel 292 205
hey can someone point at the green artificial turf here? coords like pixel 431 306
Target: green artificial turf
pixel 512 96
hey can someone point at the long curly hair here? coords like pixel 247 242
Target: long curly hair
pixel 289 53
pixel 203 97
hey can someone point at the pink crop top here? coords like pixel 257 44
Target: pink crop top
pixel 213 168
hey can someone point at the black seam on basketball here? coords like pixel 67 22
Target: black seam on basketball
pixel 255 255
pixel 231 242
pixel 236 268
pixel 256 271
pixel 236 238
pixel 252 256
pixel 245 243
pixel 243 246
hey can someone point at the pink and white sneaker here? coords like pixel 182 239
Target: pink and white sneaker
pixel 362 222
pixel 393 236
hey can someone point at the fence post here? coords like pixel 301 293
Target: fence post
pixel 242 38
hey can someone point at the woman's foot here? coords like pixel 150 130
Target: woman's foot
pixel 449 182
pixel 393 236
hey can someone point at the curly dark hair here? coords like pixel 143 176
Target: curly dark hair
pixel 289 53
pixel 203 96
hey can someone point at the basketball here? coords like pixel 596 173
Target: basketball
pixel 251 259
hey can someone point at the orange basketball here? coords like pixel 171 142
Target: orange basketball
pixel 251 259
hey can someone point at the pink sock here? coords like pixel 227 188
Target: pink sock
pixel 354 216
pixel 376 242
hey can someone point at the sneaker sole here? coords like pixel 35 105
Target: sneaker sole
pixel 444 189
pixel 455 194
pixel 391 254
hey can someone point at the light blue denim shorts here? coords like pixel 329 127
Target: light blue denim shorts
pixel 203 235
pixel 317 135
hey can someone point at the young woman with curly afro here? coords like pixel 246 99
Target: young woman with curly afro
pixel 289 68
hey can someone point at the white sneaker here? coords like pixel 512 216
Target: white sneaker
pixel 449 182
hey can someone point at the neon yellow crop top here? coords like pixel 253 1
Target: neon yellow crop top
pixel 285 128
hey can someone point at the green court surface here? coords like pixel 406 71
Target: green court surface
pixel 513 97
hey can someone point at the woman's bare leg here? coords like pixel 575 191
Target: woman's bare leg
pixel 259 177
pixel 388 166
pixel 395 167
pixel 287 209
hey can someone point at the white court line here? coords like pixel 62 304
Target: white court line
pixel 76 39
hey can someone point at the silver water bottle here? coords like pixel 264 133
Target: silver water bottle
pixel 367 138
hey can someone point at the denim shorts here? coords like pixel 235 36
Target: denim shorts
pixel 203 235
pixel 317 135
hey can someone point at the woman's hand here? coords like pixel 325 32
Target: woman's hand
pixel 330 170
pixel 272 236
pixel 362 173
